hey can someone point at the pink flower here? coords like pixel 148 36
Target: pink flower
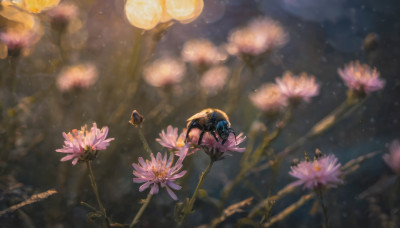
pixel 83 144
pixel 16 40
pixel 214 79
pixel 216 150
pixel 361 77
pixel 202 52
pixel 298 88
pixel 324 171
pixel 260 36
pixel 171 140
pixel 63 13
pixel 164 72
pixel 159 172
pixel 393 159
pixel 269 99
pixel 79 76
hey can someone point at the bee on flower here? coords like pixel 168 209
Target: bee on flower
pixel 83 145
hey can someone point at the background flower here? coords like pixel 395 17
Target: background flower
pixel 79 142
pixel 393 158
pixel 324 171
pixel 298 88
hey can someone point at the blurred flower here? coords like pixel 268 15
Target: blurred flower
pixel 324 171
pixel 16 40
pixel 393 159
pixel 298 88
pixel 36 6
pixel 159 172
pixel 361 78
pixel 184 11
pixel 217 150
pixel 164 72
pixel 79 76
pixel 214 79
pixel 144 14
pixel 269 99
pixel 202 53
pixel 260 36
pixel 63 14
pixel 83 145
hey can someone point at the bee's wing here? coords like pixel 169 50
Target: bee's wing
pixel 197 116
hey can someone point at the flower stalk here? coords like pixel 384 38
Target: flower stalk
pixel 323 206
pixel 189 205
pixel 141 210
pixel 96 192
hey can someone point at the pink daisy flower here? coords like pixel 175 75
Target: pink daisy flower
pixel 171 140
pixel 269 99
pixel 214 79
pixel 216 150
pixel 201 52
pixel 159 172
pixel 298 88
pixel 393 158
pixel 81 145
pixel 260 36
pixel 164 72
pixel 17 40
pixel 324 171
pixel 80 76
pixel 361 77
pixel 63 13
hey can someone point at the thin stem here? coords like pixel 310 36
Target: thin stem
pixel 141 210
pixel 323 206
pixel 234 85
pixel 189 206
pixel 144 141
pixel 96 192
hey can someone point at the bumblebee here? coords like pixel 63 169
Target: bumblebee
pixel 213 121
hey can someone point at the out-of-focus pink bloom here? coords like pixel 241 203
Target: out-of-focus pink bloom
pixel 164 72
pixel 298 88
pixel 324 171
pixel 79 76
pixel 361 77
pixel 159 172
pixel 17 40
pixel 202 52
pixel 216 150
pixel 269 99
pixel 214 79
pixel 83 144
pixel 393 159
pixel 260 36
pixel 63 13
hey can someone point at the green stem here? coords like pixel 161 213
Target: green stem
pixel 234 91
pixel 144 141
pixel 189 206
pixel 141 210
pixel 96 192
pixel 323 206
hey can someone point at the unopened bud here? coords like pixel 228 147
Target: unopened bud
pixel 318 153
pixel 136 118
